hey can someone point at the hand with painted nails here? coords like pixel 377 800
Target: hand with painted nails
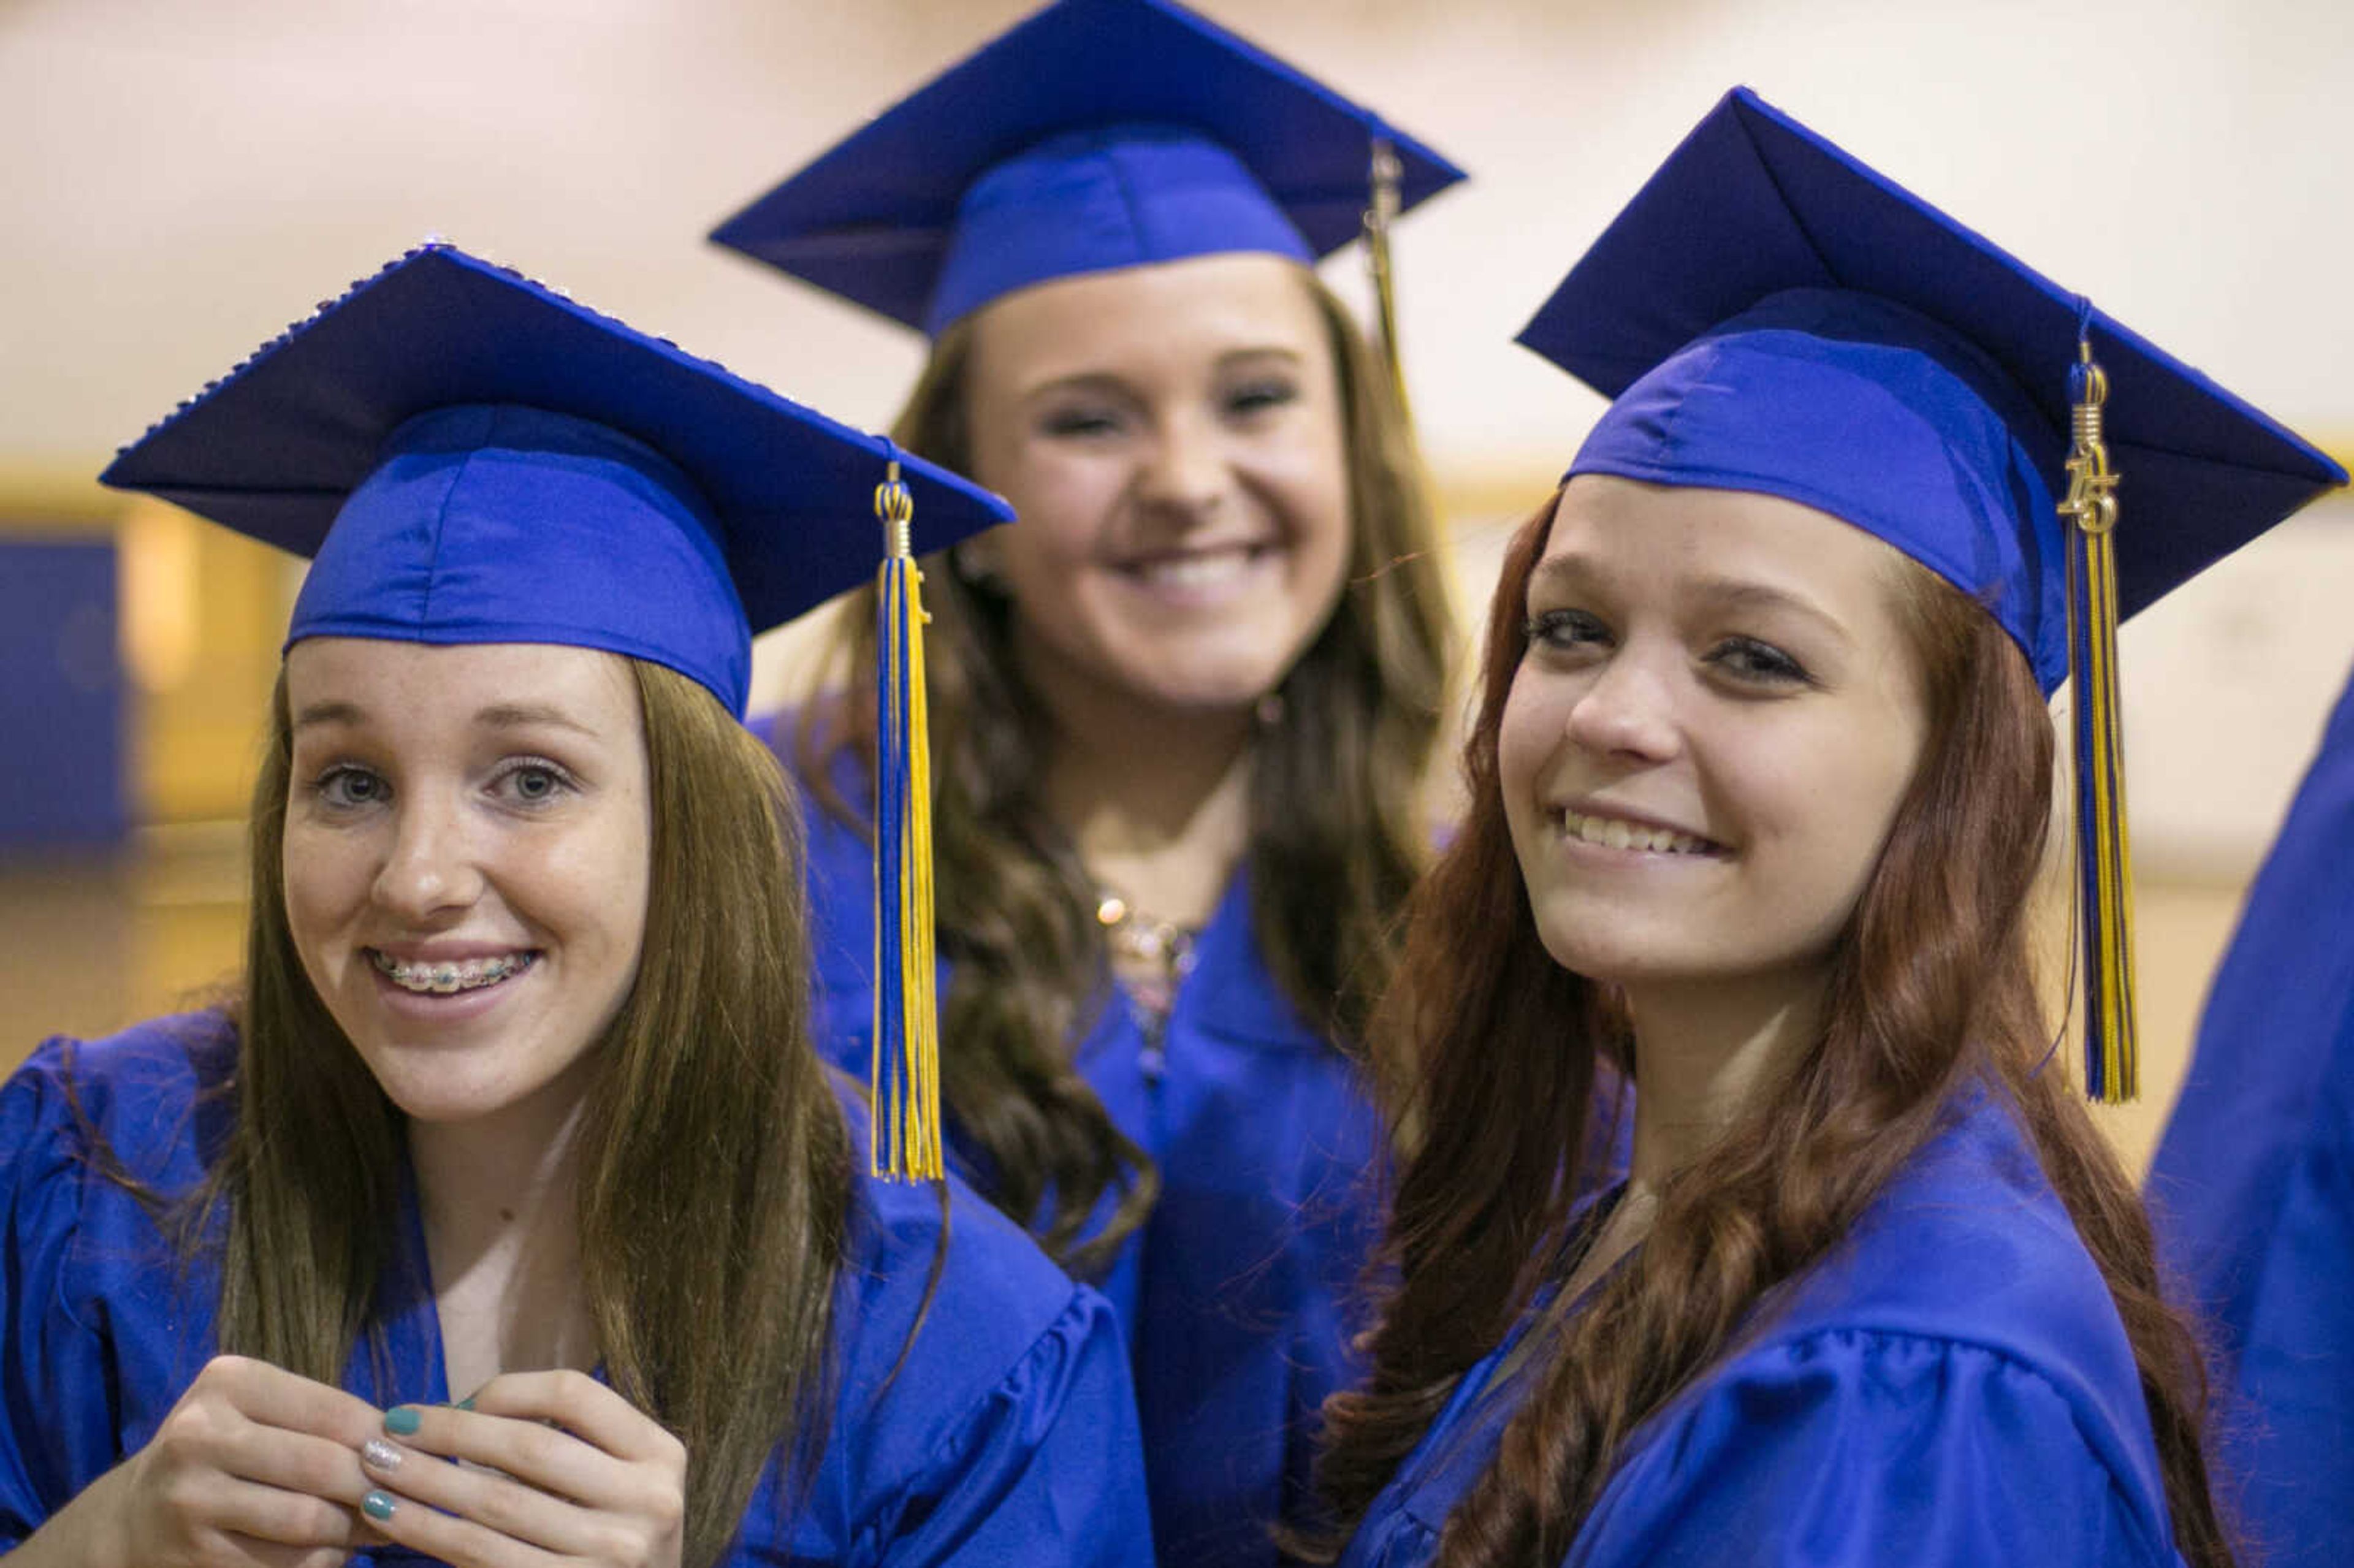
pixel 537 1464
pixel 253 1467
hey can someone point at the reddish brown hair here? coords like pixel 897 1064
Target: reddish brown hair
pixel 1493 1050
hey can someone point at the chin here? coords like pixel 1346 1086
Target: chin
pixel 1625 959
pixel 1607 951
pixel 1203 697
pixel 1210 679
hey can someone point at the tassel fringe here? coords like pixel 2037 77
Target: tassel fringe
pixel 2103 847
pixel 904 1072
pixel 1380 210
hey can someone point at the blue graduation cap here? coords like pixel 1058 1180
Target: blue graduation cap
pixel 1771 315
pixel 469 457
pixel 1096 134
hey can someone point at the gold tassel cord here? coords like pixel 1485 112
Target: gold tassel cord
pixel 2104 849
pixel 904 1072
pixel 1381 210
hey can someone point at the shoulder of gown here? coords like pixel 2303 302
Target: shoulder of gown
pixel 984 1412
pixel 75 1117
pixel 1953 1386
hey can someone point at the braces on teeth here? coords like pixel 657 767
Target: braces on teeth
pixel 446 978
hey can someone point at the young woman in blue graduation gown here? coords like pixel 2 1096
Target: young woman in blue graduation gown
pixel 515 1103
pixel 1759 784
pixel 2253 1189
pixel 1181 708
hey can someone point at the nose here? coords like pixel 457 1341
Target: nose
pixel 1629 711
pixel 432 868
pixel 1186 471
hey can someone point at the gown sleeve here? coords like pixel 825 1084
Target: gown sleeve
pixel 1046 1469
pixel 1848 1449
pixel 2288 1427
pixel 56 1385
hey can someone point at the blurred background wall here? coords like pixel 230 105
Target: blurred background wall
pixel 178 182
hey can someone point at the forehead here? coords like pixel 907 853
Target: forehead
pixel 417 684
pixel 1636 534
pixel 1202 305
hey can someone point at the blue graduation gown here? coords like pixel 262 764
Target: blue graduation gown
pixel 1009 1437
pixel 1952 1388
pixel 2252 1190
pixel 1235 1293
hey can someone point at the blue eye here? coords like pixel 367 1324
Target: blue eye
pixel 347 788
pixel 532 783
pixel 1759 663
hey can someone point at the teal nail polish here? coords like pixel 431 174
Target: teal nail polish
pixel 467 1403
pixel 376 1506
pixel 401 1420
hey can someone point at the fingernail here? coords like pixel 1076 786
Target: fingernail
pixel 467 1403
pixel 376 1506
pixel 401 1420
pixel 377 1454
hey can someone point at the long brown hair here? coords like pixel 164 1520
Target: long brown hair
pixel 1336 838
pixel 1932 983
pixel 713 1176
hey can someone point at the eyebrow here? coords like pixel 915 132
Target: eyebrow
pixel 498 716
pixel 520 715
pixel 1108 381
pixel 1262 351
pixel 1078 381
pixel 1735 593
pixel 1719 593
pixel 329 713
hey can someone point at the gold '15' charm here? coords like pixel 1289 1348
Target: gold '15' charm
pixel 2091 503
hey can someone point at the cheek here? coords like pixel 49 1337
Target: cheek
pixel 324 876
pixel 1062 491
pixel 1062 508
pixel 1304 474
pixel 1526 736
pixel 614 880
pixel 1832 801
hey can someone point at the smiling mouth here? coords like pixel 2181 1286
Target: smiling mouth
pixel 448 979
pixel 1615 832
pixel 1197 570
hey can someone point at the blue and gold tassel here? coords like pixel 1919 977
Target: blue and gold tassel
pixel 2104 849
pixel 904 1074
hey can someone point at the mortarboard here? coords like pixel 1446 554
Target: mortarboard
pixel 1769 314
pixel 1096 135
pixel 469 457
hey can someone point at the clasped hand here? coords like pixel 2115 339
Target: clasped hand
pixel 557 1468
pixel 256 1466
